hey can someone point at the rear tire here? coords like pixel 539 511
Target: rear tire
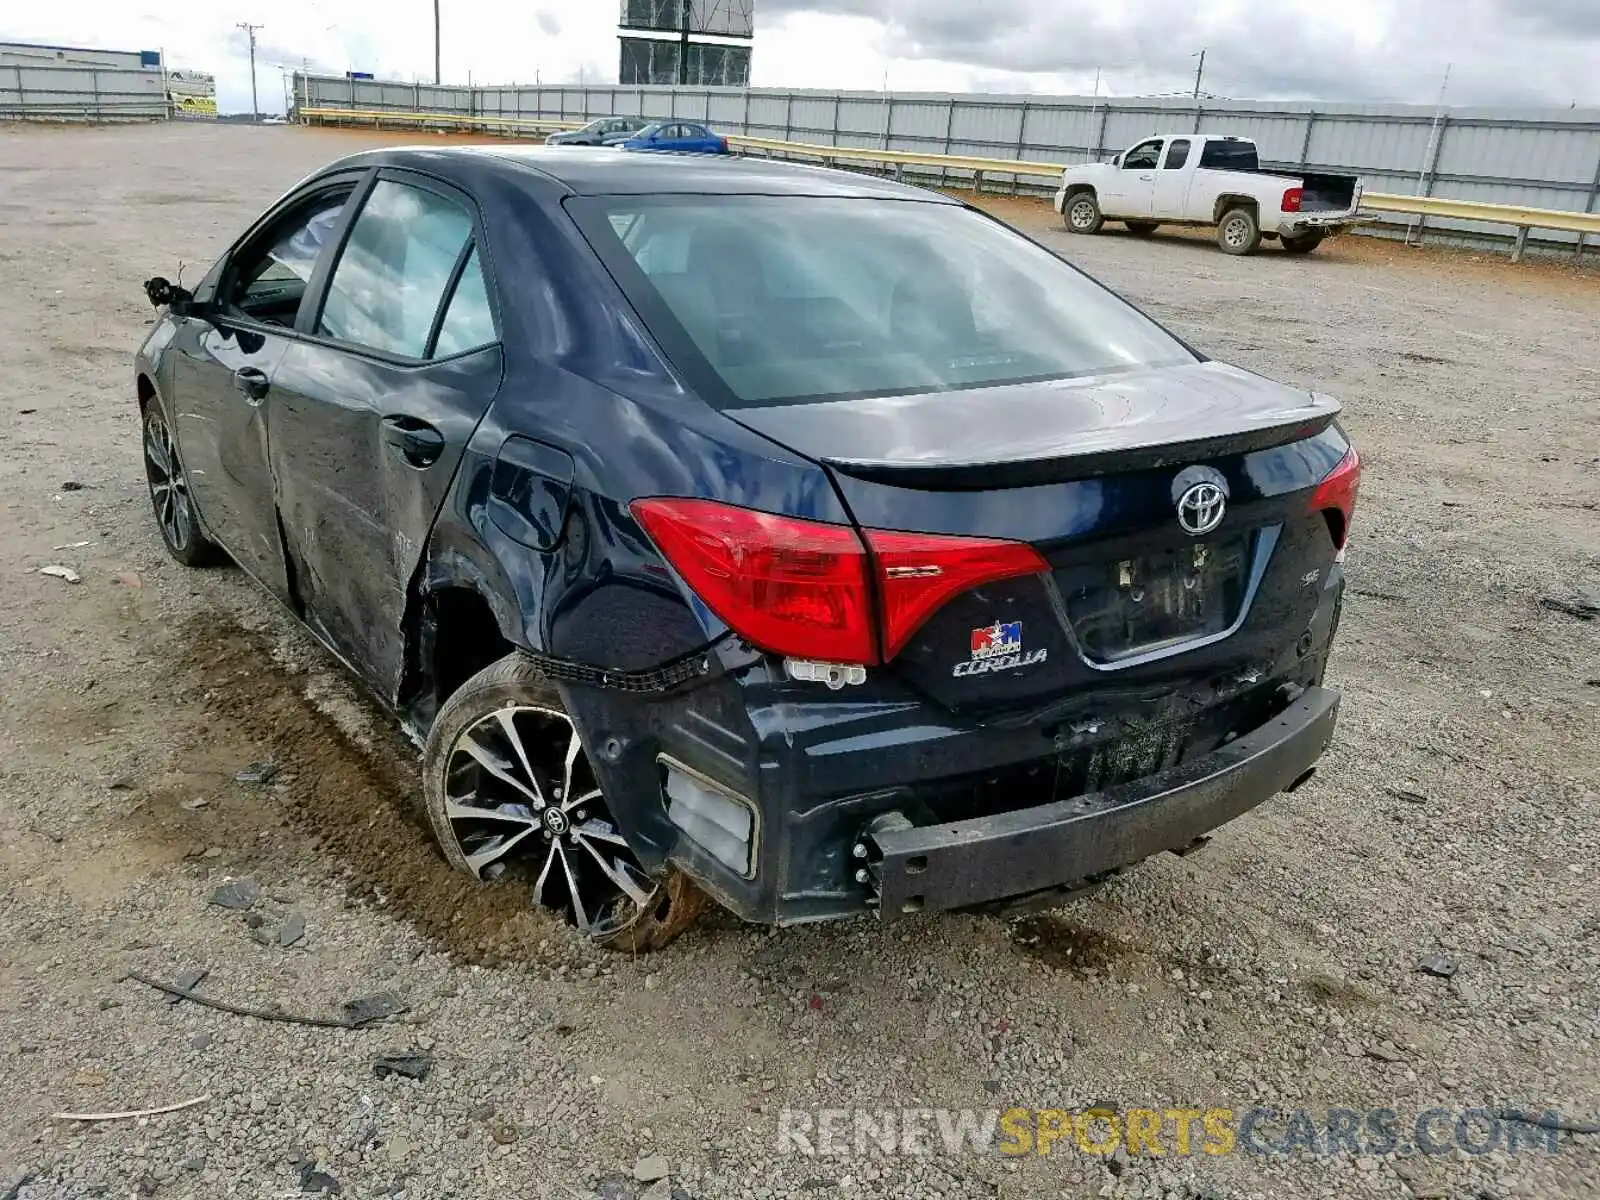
pixel 1142 228
pixel 1238 232
pixel 1305 243
pixel 503 746
pixel 1082 213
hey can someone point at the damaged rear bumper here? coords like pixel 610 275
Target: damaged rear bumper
pixel 1013 854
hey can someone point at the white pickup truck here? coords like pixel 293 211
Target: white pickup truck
pixel 1195 179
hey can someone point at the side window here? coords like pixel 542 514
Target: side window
pixel 1177 153
pixel 468 323
pixel 270 277
pixel 1143 156
pixel 396 264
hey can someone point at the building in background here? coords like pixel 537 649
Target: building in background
pixel 193 94
pixel 28 54
pixel 697 43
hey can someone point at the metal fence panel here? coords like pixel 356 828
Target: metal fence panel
pixel 1542 158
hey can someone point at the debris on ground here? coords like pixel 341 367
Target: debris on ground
pixel 1408 796
pixel 364 1010
pixel 240 1010
pixel 1582 609
pixel 187 980
pixel 313 1180
pixel 57 571
pixel 131 1113
pixel 240 894
pixel 411 1066
pixel 651 1168
pixel 72 485
pixel 1438 966
pixel 194 805
pixel 72 546
pixel 257 772
pixel 129 579
pixel 292 931
pixel 1547 1120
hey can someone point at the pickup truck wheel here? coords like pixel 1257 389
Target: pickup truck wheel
pixel 1304 244
pixel 1237 232
pixel 1083 214
pixel 1142 228
pixel 507 786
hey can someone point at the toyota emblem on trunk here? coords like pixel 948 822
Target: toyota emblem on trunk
pixel 1200 508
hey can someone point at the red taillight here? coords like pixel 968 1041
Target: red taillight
pixel 918 572
pixel 1291 199
pixel 793 587
pixel 800 588
pixel 1335 496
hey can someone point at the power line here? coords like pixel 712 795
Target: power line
pixel 250 32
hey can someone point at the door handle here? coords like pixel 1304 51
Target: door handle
pixel 1147 178
pixel 252 383
pixel 419 443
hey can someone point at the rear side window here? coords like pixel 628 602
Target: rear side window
pixel 1177 153
pixel 792 299
pixel 1230 156
pixel 468 322
pixel 391 277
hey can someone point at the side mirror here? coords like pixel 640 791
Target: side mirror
pixel 1116 160
pixel 179 301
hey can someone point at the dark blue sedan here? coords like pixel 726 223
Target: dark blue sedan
pixel 730 528
pixel 683 136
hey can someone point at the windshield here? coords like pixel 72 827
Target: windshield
pixel 788 299
pixel 650 130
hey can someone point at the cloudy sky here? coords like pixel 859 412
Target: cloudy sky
pixel 1544 52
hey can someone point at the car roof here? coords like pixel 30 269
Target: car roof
pixel 592 171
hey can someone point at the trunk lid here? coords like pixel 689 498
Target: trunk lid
pixel 1091 473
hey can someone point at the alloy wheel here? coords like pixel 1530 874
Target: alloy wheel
pixel 169 486
pixel 1237 232
pixel 520 792
pixel 1082 214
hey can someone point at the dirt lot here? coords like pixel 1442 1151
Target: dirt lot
pixel 1455 817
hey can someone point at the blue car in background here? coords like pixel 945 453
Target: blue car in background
pixel 683 136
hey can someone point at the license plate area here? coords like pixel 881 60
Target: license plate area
pixel 1130 606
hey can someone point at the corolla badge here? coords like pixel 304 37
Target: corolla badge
pixel 997 647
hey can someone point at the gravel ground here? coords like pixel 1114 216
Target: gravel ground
pixel 1454 817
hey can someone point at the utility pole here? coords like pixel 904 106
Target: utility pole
pixel 437 78
pixel 255 106
pixel 683 46
pixel 1199 71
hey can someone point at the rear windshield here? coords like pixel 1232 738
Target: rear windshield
pixel 790 299
pixel 1230 156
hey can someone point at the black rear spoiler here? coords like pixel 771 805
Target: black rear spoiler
pixel 979 476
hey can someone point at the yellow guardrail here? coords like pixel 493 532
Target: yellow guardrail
pixel 1520 216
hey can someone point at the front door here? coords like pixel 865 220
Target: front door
pixel 227 360
pixel 372 409
pixel 1130 191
